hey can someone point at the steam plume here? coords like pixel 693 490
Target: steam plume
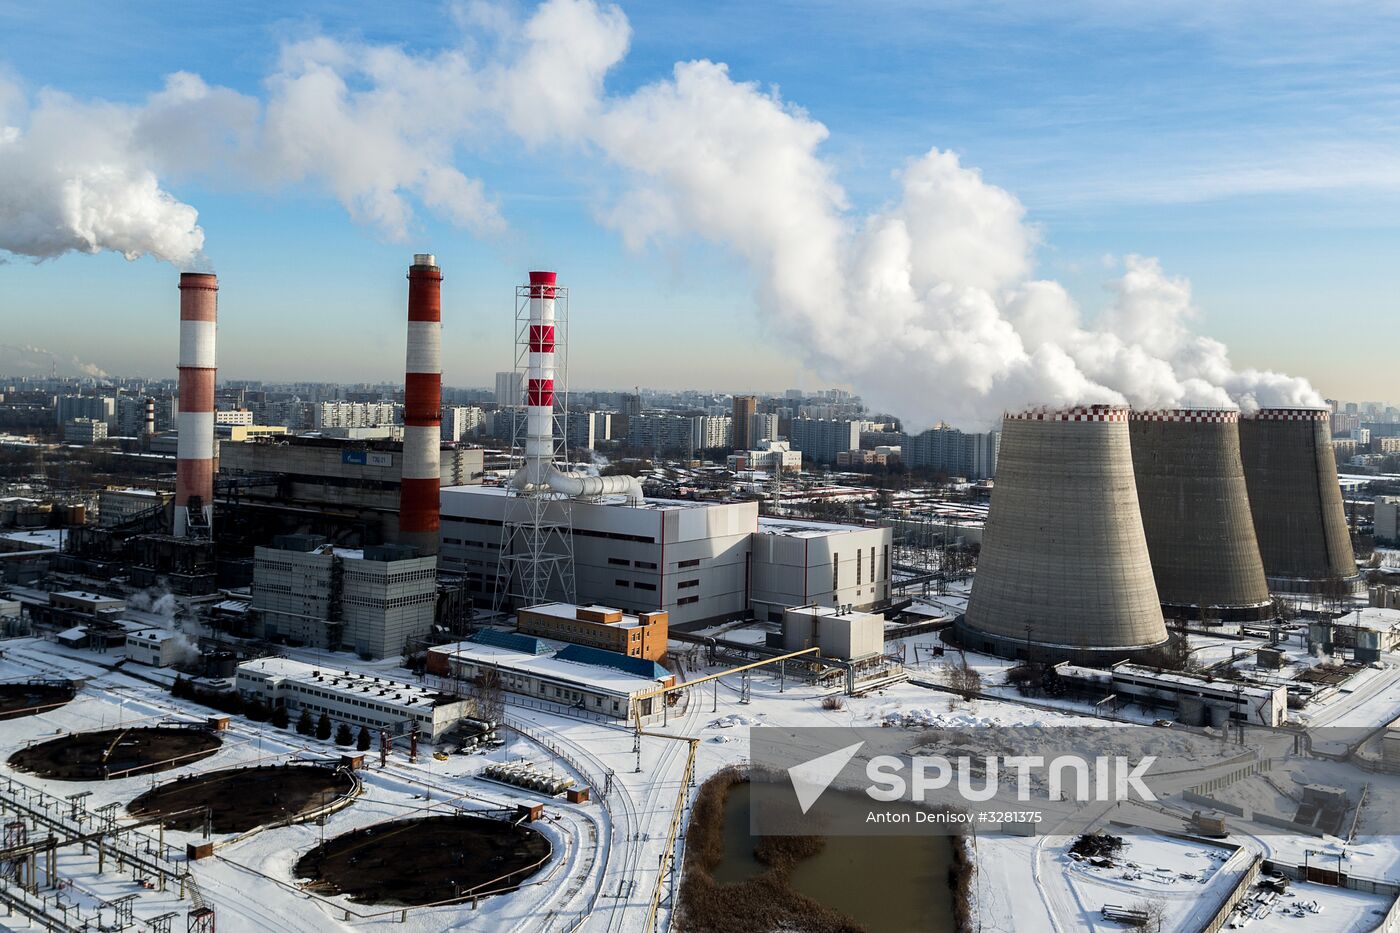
pixel 928 305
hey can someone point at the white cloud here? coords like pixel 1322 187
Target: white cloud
pixel 928 304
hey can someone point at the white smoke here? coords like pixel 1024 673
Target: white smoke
pixel 158 600
pixel 928 305
pixel 23 360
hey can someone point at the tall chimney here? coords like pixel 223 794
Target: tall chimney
pixel 148 429
pixel 539 385
pixel 194 467
pixel 422 415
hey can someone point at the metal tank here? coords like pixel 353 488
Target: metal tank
pixel 1195 512
pixel 1064 571
pixel 1296 501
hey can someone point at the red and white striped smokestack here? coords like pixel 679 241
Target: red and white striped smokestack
pixel 539 386
pixel 149 421
pixel 422 410
pixel 194 465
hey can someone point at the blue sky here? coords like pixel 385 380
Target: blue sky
pixel 1254 150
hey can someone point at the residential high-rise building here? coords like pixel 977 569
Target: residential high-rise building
pixel 948 450
pixel 509 387
pixel 821 440
pixel 745 407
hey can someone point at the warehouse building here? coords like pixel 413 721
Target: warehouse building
pixel 588 679
pixel 804 563
pixel 843 634
pixel 306 592
pixel 351 698
pixel 699 562
pixel 638 636
pixel 156 647
pixel 1195 700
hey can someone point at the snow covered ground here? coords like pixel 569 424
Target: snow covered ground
pixel 609 851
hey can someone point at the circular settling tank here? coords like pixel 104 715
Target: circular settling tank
pixel 235 800
pixel 30 699
pixel 115 753
pixel 425 861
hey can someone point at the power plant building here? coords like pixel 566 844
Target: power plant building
pixel 1295 499
pixel 352 698
pixel 696 561
pixel 306 592
pixel 1195 512
pixel 1065 571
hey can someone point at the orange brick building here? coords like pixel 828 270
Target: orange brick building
pixel 637 636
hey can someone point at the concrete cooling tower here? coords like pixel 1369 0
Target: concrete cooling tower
pixel 1295 499
pixel 1064 570
pixel 1195 511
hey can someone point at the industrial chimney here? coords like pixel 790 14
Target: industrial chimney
pixel 422 409
pixel 148 421
pixel 1296 500
pixel 537 474
pixel 194 465
pixel 1195 512
pixel 1064 571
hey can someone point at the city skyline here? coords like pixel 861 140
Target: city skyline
pixel 296 272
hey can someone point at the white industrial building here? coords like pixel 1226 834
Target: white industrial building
pixel 580 677
pixel 1196 700
pixel 156 647
pixel 839 633
pixel 803 563
pixel 352 698
pixel 698 561
pixel 371 602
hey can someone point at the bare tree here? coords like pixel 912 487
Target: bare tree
pixel 488 695
pixel 964 680
pixel 1155 908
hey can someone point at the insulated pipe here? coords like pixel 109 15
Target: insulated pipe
pixel 538 471
pixel 194 463
pixel 422 414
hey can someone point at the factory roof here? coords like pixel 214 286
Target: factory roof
pixel 512 641
pixel 801 528
pixel 1372 617
pixel 346 683
pixel 604 678
pixel 641 667
pixel 655 505
pixel 571 612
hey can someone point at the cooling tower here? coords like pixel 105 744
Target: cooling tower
pixel 1295 499
pixel 1195 512
pixel 1064 570
pixel 422 409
